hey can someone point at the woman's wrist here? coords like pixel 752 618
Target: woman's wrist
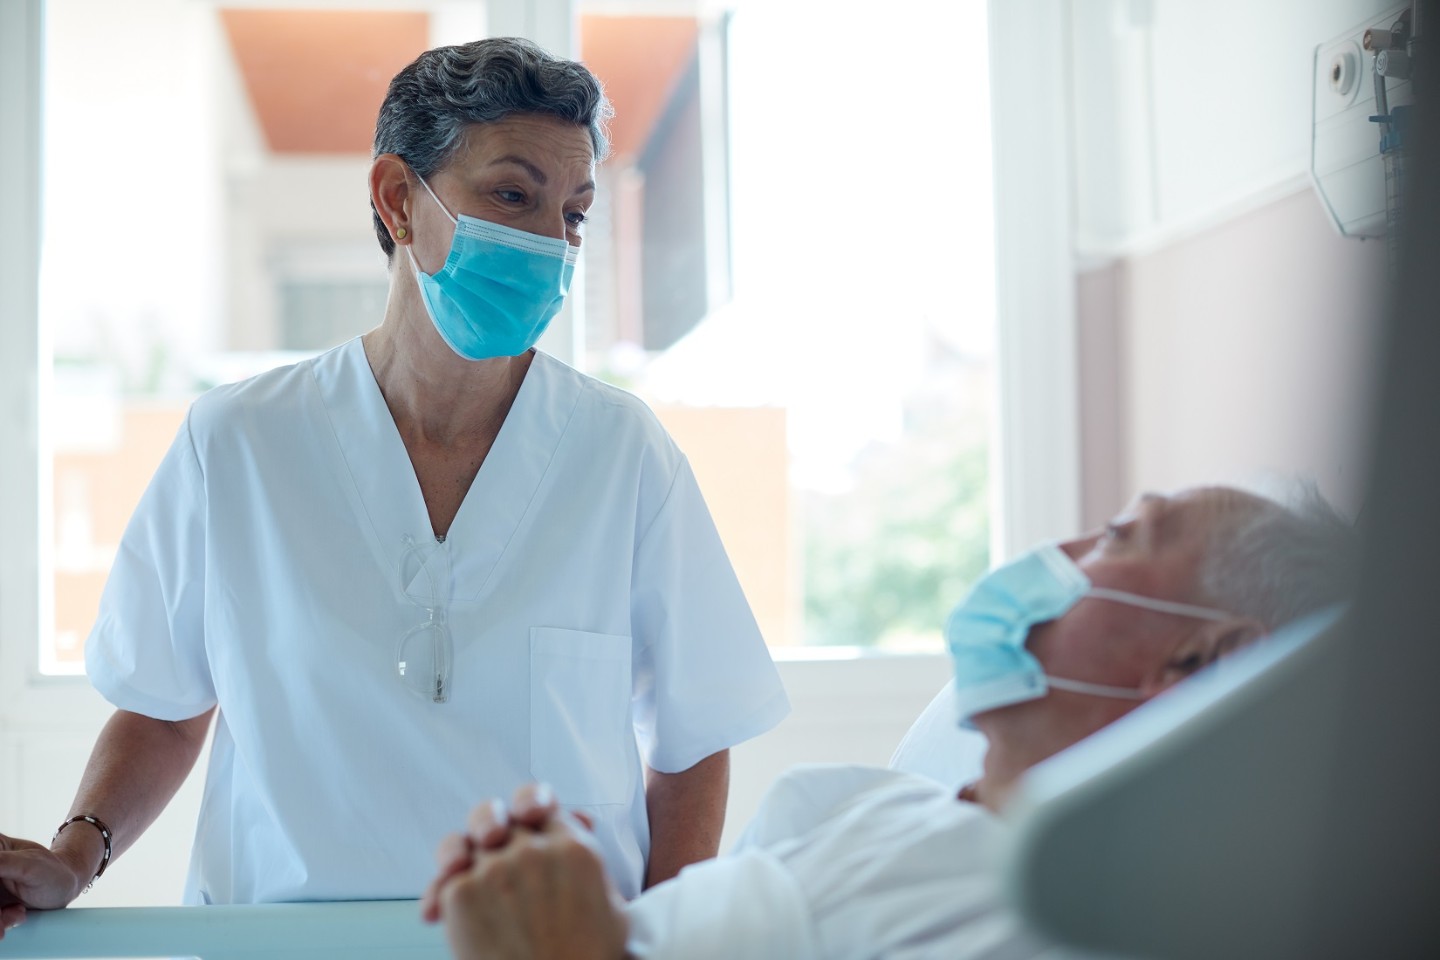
pixel 83 848
pixel 78 861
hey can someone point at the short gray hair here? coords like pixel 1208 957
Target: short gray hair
pixel 1279 562
pixel 432 101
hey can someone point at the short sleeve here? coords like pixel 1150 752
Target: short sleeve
pixel 704 680
pixel 146 652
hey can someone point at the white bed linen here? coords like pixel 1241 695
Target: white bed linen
pixel 845 863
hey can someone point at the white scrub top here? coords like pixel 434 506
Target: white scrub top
pixel 597 624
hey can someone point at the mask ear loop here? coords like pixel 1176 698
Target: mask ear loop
pixel 1094 689
pixel 1159 606
pixel 415 264
pixel 1134 600
pixel 435 198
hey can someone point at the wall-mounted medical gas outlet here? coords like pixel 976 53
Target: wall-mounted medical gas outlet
pixel 1346 159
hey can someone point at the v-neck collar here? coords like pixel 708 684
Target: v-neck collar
pixel 374 470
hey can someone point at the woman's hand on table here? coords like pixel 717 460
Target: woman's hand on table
pixel 35 877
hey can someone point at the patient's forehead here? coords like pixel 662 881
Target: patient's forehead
pixel 1216 504
pixel 1197 517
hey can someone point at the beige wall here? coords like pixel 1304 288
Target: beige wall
pixel 1100 381
pixel 1239 354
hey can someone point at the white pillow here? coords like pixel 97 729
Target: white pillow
pixel 935 746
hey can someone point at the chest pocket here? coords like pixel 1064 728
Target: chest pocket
pixel 582 742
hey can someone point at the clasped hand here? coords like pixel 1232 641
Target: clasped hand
pixel 525 882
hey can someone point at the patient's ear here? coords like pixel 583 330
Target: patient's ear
pixel 1209 642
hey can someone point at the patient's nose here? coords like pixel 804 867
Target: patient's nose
pixel 1079 546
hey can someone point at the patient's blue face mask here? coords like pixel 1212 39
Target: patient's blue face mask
pixel 499 288
pixel 986 632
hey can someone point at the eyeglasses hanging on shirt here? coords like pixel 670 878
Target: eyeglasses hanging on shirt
pixel 425 654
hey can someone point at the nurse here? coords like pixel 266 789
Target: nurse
pixel 430 564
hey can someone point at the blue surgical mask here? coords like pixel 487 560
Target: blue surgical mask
pixel 986 633
pixel 499 288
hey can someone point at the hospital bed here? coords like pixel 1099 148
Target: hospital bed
pixel 1188 828
pixel 1233 816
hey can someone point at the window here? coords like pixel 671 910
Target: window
pixel 326 293
pixel 790 260
pixel 797 271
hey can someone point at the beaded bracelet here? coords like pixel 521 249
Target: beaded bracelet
pixel 105 835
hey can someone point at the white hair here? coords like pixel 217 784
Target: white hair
pixel 1278 562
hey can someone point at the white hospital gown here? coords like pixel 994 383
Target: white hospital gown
pixel 844 863
pixel 597 624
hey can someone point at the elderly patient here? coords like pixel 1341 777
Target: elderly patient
pixel 847 862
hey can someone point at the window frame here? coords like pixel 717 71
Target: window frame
pixel 1035 469
pixel 26 695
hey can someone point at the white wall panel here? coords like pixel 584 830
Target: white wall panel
pixel 1227 123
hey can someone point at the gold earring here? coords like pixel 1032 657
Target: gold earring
pixel 400 233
